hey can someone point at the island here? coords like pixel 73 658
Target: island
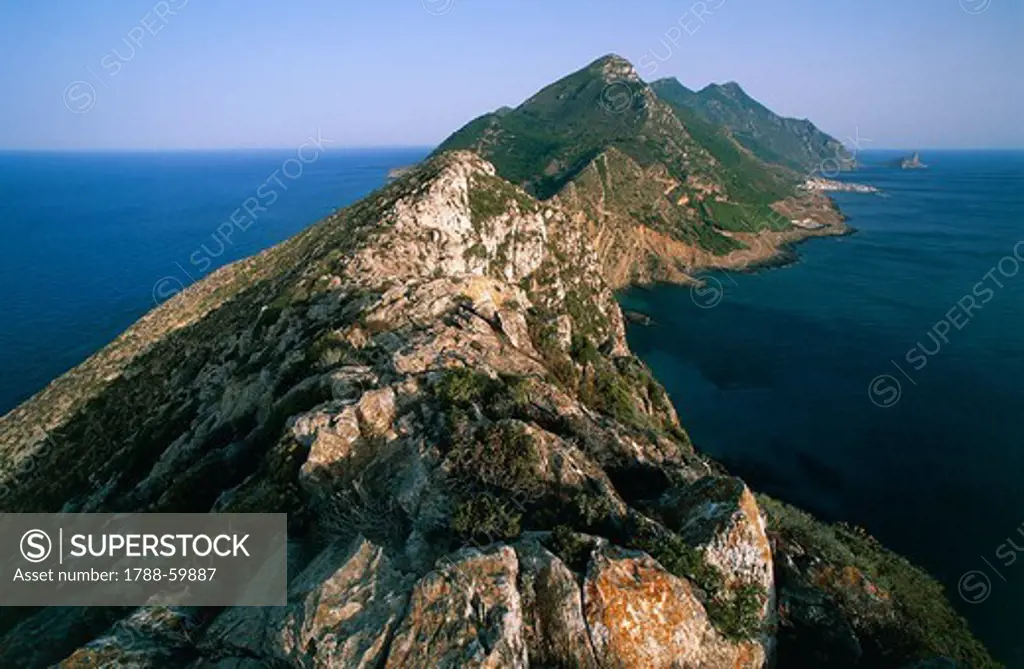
pixel 912 162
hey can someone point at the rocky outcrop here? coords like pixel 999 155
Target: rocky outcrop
pixel 343 610
pixel 719 516
pixel 466 614
pixel 639 615
pixel 556 630
pixel 434 384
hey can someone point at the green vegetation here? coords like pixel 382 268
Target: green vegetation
pixel 737 613
pixel 794 143
pixel 553 137
pixel 500 457
pixel 571 547
pixel 604 389
pixel 583 350
pixel 925 625
pixel 591 509
pixel 544 336
pixel 679 558
pixel 477 250
pixel 484 518
pixel 490 197
pixel 743 218
pixel 461 388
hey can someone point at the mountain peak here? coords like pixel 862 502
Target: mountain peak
pixel 796 144
pixel 730 88
pixel 614 67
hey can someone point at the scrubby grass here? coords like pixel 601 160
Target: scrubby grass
pixel 924 625
pixel 737 613
pixel 492 458
pixel 571 547
pixel 484 518
pixel 490 197
pixel 679 559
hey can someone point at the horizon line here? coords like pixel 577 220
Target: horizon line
pixel 393 147
pixel 200 149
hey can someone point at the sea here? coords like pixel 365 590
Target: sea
pixel 878 379
pixel 92 241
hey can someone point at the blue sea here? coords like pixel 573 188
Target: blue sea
pixel 93 241
pixel 880 378
pixel 807 380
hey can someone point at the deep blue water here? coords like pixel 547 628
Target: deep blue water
pixel 92 241
pixel 777 378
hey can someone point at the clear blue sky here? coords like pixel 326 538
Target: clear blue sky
pixel 913 73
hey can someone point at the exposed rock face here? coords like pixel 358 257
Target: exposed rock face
pixel 466 614
pixel 556 631
pixel 720 517
pixel 343 609
pixel 435 385
pixel 641 616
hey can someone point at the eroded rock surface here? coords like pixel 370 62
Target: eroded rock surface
pixel 639 615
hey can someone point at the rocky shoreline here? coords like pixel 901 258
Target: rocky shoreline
pixel 821 185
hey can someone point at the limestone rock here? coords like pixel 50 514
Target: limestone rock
pixel 342 610
pixel 467 613
pixel 639 615
pixel 720 516
pixel 556 631
pixel 376 411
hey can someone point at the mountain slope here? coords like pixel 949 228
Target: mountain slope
pixel 795 143
pixel 697 197
pixel 435 385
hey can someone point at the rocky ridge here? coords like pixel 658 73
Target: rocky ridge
pixel 436 387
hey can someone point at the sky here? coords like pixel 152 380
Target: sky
pixel 205 74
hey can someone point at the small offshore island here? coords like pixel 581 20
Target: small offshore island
pixel 912 162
